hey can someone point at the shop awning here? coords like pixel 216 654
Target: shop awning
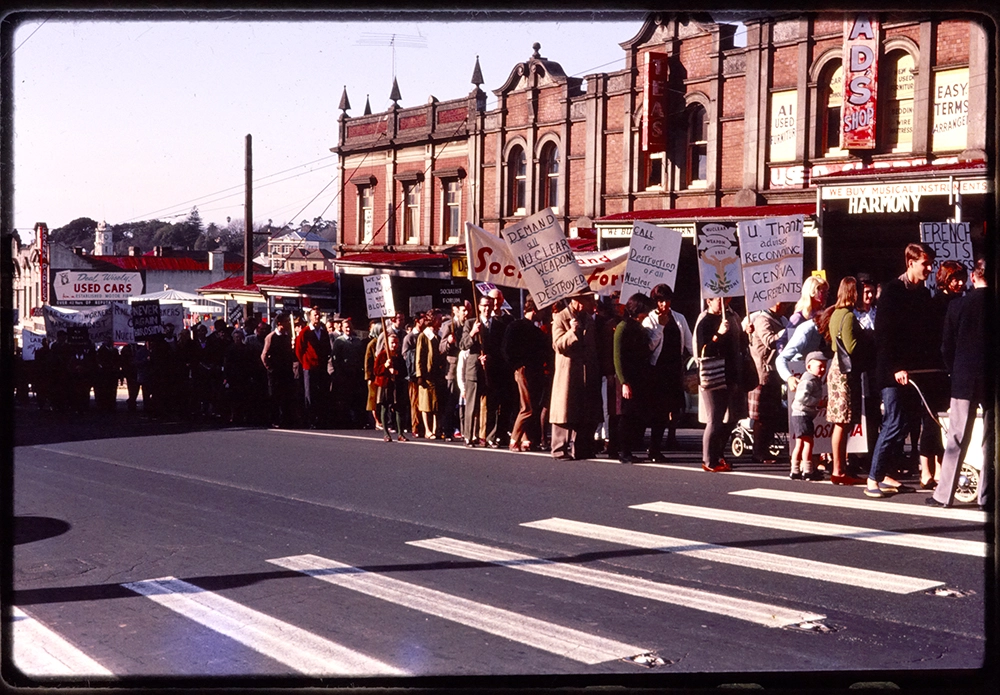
pixel 318 284
pixel 234 288
pixel 436 266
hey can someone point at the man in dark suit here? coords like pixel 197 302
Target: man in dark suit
pixel 312 349
pixel 963 347
pixel 278 356
pixel 480 409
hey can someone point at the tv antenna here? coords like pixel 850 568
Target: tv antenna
pixel 393 41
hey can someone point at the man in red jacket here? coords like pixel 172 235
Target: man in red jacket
pixel 312 349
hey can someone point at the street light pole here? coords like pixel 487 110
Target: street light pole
pixel 248 225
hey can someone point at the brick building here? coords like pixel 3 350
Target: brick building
pixel 697 128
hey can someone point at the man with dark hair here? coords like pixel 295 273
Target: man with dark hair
pixel 669 341
pixel 278 357
pixel 901 347
pixel 312 349
pixel 963 348
pixel 451 338
pixel 575 407
pixel 526 348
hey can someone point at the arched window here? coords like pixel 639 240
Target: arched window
pixel 897 102
pixel 831 97
pixel 517 176
pixel 697 146
pixel 548 169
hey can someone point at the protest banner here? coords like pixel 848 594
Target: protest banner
pixel 605 270
pixel 652 259
pixel 951 241
pixel 771 259
pixel 30 341
pixel 98 320
pixel 484 289
pixel 378 296
pixel 545 259
pixel 146 319
pixel 490 259
pixel 719 260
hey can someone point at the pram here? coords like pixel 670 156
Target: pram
pixel 741 440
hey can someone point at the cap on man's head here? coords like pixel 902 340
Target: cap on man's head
pixel 815 355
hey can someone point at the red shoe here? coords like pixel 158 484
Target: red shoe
pixel 846 480
pixel 722 467
pixel 401 438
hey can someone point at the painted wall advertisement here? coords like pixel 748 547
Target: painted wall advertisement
pixel 951 241
pixel 951 110
pixel 771 258
pixel 719 260
pixel 860 82
pixel 783 127
pixel 654 103
pixel 545 259
pixel 83 287
pixel 653 253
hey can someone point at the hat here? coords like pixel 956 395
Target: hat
pixel 815 355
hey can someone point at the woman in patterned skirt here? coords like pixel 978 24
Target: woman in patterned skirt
pixel 843 408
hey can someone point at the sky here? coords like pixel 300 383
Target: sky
pixel 133 120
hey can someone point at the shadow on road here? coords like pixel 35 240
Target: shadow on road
pixel 28 529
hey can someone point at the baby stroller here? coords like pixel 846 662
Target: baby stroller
pixel 741 440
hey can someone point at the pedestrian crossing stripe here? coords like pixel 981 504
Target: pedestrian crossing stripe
pixel 38 651
pixel 741 557
pixel 819 528
pixel 290 645
pixel 970 515
pixel 764 614
pixel 556 639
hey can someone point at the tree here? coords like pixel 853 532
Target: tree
pixel 80 232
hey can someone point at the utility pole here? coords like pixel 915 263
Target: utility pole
pixel 248 228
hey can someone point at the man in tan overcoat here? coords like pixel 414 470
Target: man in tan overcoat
pixel 575 406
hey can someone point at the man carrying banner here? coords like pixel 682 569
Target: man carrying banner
pixel 575 406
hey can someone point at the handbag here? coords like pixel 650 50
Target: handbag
pixel 843 357
pixel 711 372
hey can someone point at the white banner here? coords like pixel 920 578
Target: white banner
pixel 30 341
pixel 951 241
pixel 490 259
pixel 605 270
pixel 771 258
pixel 378 296
pixel 98 320
pixel 719 260
pixel 652 259
pixel 96 287
pixel 545 258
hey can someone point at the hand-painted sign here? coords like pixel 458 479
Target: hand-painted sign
pixel 652 259
pixel 545 259
pixel 490 259
pixel 95 287
pixel 951 241
pixel 98 320
pixel 719 260
pixel 378 296
pixel 771 258
pixel 860 82
pixel 146 319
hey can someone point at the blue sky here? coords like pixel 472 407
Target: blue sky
pixel 123 121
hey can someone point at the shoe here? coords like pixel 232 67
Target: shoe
pixel 626 458
pixel 929 485
pixel 893 489
pixel 493 444
pixel 795 475
pixel 526 446
pixel 657 458
pixel 470 443
pixel 815 476
pixel 401 438
pixel 706 467
pixel 846 480
pixel 513 447
pixel 875 493
pixel 387 438
pixel 722 467
pixel 931 502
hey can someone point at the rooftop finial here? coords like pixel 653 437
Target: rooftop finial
pixel 537 46
pixel 345 103
pixel 368 106
pixel 477 74
pixel 395 95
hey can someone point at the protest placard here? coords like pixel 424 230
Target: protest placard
pixel 951 241
pixel 652 259
pixel 771 259
pixel 98 320
pixel 378 296
pixel 146 319
pixel 490 259
pixel 719 260
pixel 545 259
pixel 30 342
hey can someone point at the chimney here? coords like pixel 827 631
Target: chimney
pixel 78 250
pixel 162 251
pixel 134 251
pixel 216 261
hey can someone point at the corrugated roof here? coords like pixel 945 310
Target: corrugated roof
pixel 235 284
pixel 303 278
pixel 395 258
pixel 164 263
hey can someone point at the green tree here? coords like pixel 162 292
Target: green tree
pixel 80 232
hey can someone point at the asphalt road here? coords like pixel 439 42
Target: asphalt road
pixel 334 555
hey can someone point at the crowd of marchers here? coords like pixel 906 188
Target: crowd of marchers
pixel 588 376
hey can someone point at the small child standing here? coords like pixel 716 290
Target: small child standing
pixel 808 394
